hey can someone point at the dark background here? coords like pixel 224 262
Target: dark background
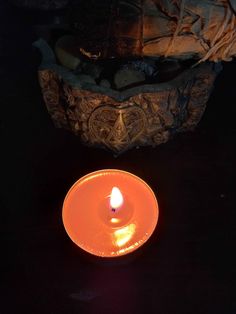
pixel 188 266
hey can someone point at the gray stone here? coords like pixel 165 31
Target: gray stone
pixel 65 52
pixel 84 78
pixel 91 69
pixel 105 83
pixel 125 77
pixel 147 66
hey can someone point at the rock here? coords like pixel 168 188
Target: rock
pixel 147 66
pixel 105 83
pixel 169 69
pixel 84 78
pixel 91 69
pixel 170 65
pixel 66 52
pixel 128 76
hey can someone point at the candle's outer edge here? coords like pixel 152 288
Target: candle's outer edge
pixel 102 171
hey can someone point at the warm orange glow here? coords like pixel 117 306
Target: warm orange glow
pixel 115 220
pixel 123 235
pixel 92 224
pixel 116 198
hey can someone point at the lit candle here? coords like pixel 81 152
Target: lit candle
pixel 110 212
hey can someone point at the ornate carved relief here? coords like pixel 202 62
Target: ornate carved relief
pixel 145 118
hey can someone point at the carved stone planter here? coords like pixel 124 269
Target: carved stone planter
pixel 139 116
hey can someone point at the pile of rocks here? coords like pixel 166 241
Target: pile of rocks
pixel 114 73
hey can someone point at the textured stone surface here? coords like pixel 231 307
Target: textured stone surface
pixel 65 52
pixel 126 77
pixel 105 83
pixel 91 69
pixel 146 115
pixel 84 78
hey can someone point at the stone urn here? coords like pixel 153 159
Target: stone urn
pixel 148 114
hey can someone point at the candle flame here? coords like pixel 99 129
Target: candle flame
pixel 116 198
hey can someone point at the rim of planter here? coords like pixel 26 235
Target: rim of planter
pixel 49 63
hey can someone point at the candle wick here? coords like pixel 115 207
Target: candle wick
pixel 113 209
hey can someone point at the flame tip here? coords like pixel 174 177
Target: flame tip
pixel 116 198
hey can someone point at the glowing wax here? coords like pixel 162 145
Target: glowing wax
pixel 110 212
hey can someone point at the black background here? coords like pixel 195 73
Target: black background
pixel 188 266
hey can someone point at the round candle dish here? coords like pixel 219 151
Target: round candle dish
pixel 110 213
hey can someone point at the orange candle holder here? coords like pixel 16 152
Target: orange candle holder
pixel 110 213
